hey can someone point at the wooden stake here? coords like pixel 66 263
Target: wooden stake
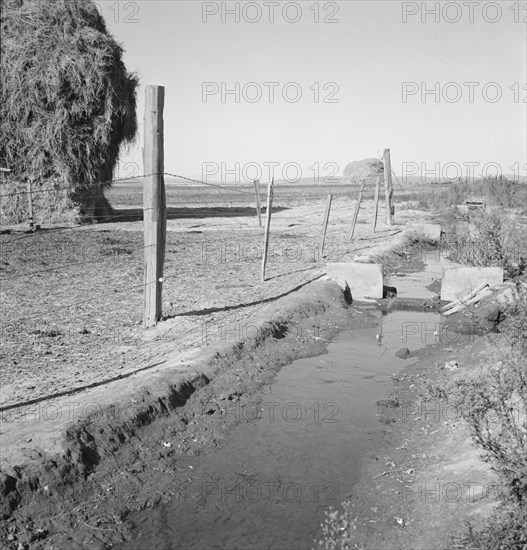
pixel 270 192
pixel 376 203
pixel 4 172
pixel 388 187
pixel 154 204
pixel 257 198
pixel 356 215
pixel 325 225
pixel 30 204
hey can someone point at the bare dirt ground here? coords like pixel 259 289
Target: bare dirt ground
pixel 71 298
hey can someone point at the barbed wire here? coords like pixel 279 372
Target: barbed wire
pixel 227 316
pixel 412 211
pixel 209 184
pixel 107 183
pixel 116 216
pixel 75 304
pixel 82 302
pixel 137 212
pixel 113 254
pixel 72 186
pixel 137 249
pixel 229 190
pixel 62 266
pixel 352 247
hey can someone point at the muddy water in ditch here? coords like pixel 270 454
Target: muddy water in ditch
pixel 424 283
pixel 269 485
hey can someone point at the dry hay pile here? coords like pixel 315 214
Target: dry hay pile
pixel 367 169
pixel 67 104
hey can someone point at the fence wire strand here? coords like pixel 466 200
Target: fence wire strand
pixel 130 214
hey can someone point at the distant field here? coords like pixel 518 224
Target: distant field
pixel 182 193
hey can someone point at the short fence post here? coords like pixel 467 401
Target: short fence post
pixel 376 203
pixel 356 214
pixel 30 204
pixel 4 172
pixel 388 186
pixel 270 192
pixel 257 198
pixel 325 225
pixel 154 204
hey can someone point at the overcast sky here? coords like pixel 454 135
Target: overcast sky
pixel 353 74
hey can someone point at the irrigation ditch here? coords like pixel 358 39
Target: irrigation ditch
pixel 162 460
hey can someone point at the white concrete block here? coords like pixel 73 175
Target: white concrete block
pixel 456 282
pixel 364 280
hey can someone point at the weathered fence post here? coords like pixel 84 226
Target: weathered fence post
pixel 30 204
pixel 270 192
pixel 257 198
pixel 4 172
pixel 356 214
pixel 154 204
pixel 388 186
pixel 376 203
pixel 325 225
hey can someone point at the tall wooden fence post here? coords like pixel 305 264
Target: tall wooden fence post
pixel 388 187
pixel 270 192
pixel 257 198
pixel 356 214
pixel 325 225
pixel 154 204
pixel 376 203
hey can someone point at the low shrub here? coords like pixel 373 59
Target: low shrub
pixel 505 531
pixel 494 239
pixel 494 404
pixel 494 192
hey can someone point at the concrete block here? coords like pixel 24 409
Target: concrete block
pixel 364 280
pixel 456 282
pixel 431 231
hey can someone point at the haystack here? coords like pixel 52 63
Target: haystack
pixel 367 169
pixel 67 105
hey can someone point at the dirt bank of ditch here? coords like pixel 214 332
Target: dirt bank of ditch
pixel 428 480
pixel 421 486
pixel 81 478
